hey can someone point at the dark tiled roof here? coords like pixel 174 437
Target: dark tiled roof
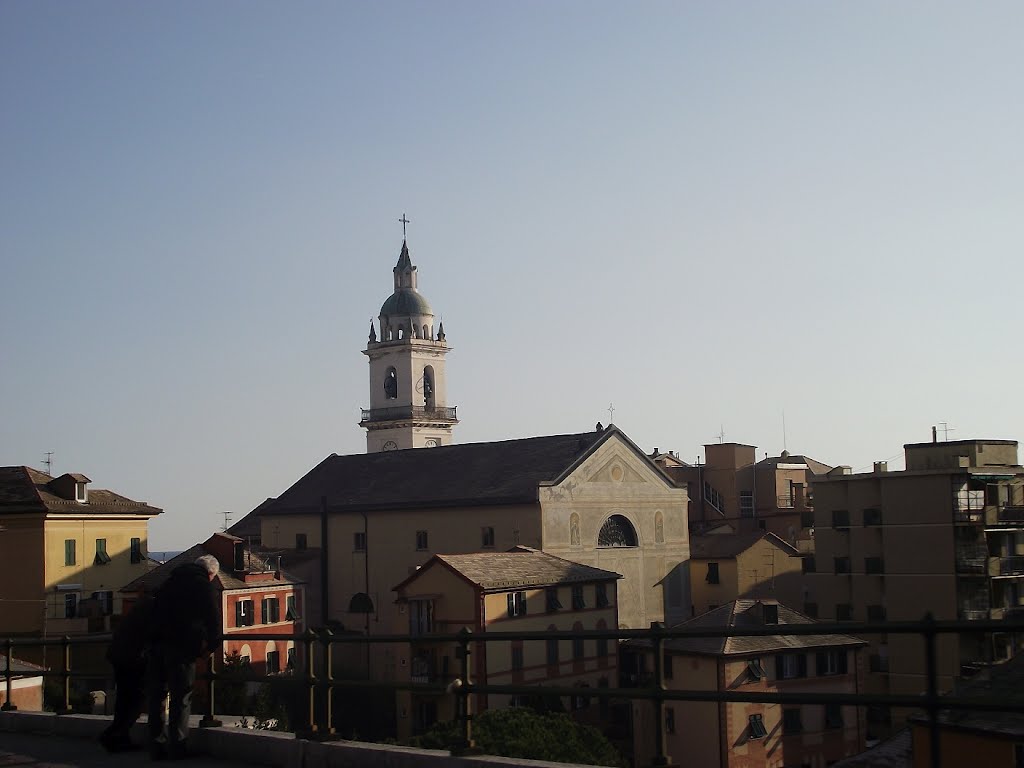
pixel 742 614
pixel 23 489
pixel 895 752
pixel 502 472
pixel 226 579
pixel 724 546
pixel 1001 682
pixel 19 667
pixel 522 567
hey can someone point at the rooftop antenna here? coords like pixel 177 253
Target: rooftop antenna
pixel 227 519
pixel 946 429
pixel 721 433
pixel 784 446
pixel 611 413
pixel 48 461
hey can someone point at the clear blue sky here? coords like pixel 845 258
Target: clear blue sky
pixel 705 214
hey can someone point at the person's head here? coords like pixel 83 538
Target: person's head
pixel 210 564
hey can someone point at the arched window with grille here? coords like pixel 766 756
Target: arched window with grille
pixel 617 531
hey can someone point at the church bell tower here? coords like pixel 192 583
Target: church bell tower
pixel 408 405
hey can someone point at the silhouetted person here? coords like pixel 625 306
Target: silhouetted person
pixel 127 655
pixel 185 624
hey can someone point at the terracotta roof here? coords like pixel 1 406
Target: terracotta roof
pixel 521 567
pixel 742 614
pixel 23 489
pixel 816 467
pixel 502 472
pixel 226 579
pixel 19 667
pixel 1001 682
pixel 724 546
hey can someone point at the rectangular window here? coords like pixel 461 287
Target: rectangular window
pixel 844 612
pixel 102 558
pixel 136 550
pixel 842 565
pixel 601 595
pixel 517 657
pixel 770 613
pixel 551 601
pixel 300 542
pixel 712 576
pixel 244 614
pixel 578 602
pixel 577 648
pixel 291 611
pixel 841 519
pixel 872 516
pixel 746 503
pixel 811 610
pixel 756 725
pixel 359 541
pixel 70 605
pixel 291 658
pixel 421 617
pixel 792 721
pixel 271 610
pixel 69 552
pixel 602 647
pixel 552 650
pixel 876 613
pixel 106 601
pixel 273 662
pixel 790 666
pixel 833 716
pixel 874 565
pixel 666 666
pixel 516 604
pixel 808 564
pixel 670 720
pixel 487 537
pixel 830 663
pixel 81 492
pixel 421 540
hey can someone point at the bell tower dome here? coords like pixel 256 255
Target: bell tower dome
pixel 408 404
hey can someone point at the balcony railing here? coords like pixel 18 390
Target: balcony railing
pixel 313 674
pixel 1011 566
pixel 1010 514
pixel 446 414
pixel 974 614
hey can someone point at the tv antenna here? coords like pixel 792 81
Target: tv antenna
pixel 946 429
pixel 48 461
pixel 227 519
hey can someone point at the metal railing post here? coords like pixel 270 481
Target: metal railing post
pixel 932 696
pixel 8 706
pixel 464 744
pixel 65 670
pixel 209 719
pixel 661 757
pixel 328 640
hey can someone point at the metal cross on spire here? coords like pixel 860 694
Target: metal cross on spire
pixel 404 222
pixel 611 413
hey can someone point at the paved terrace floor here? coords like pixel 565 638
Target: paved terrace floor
pixel 46 740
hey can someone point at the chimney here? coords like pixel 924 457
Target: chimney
pixel 935 435
pixel 277 568
pixel 881 466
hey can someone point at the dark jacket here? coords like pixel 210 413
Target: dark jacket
pixel 186 618
pixel 128 645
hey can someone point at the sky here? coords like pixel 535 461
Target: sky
pixel 721 218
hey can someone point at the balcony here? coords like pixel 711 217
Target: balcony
pixel 1007 566
pixel 969 506
pixel 1008 514
pixel 411 412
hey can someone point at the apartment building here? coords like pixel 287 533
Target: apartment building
pixel 65 551
pixel 733 488
pixel 944 536
pixel 523 590
pixel 751 735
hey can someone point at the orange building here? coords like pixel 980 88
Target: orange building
pixel 523 590
pixel 742 735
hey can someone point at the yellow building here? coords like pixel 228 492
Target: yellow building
pixel 65 551
pixel 727 566
pixel 522 590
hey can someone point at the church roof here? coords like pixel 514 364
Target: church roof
pixel 406 301
pixel 502 472
pixel 404 260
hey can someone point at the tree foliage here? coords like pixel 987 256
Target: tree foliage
pixel 524 733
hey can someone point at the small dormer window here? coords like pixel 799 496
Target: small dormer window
pixel 771 613
pixel 82 492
